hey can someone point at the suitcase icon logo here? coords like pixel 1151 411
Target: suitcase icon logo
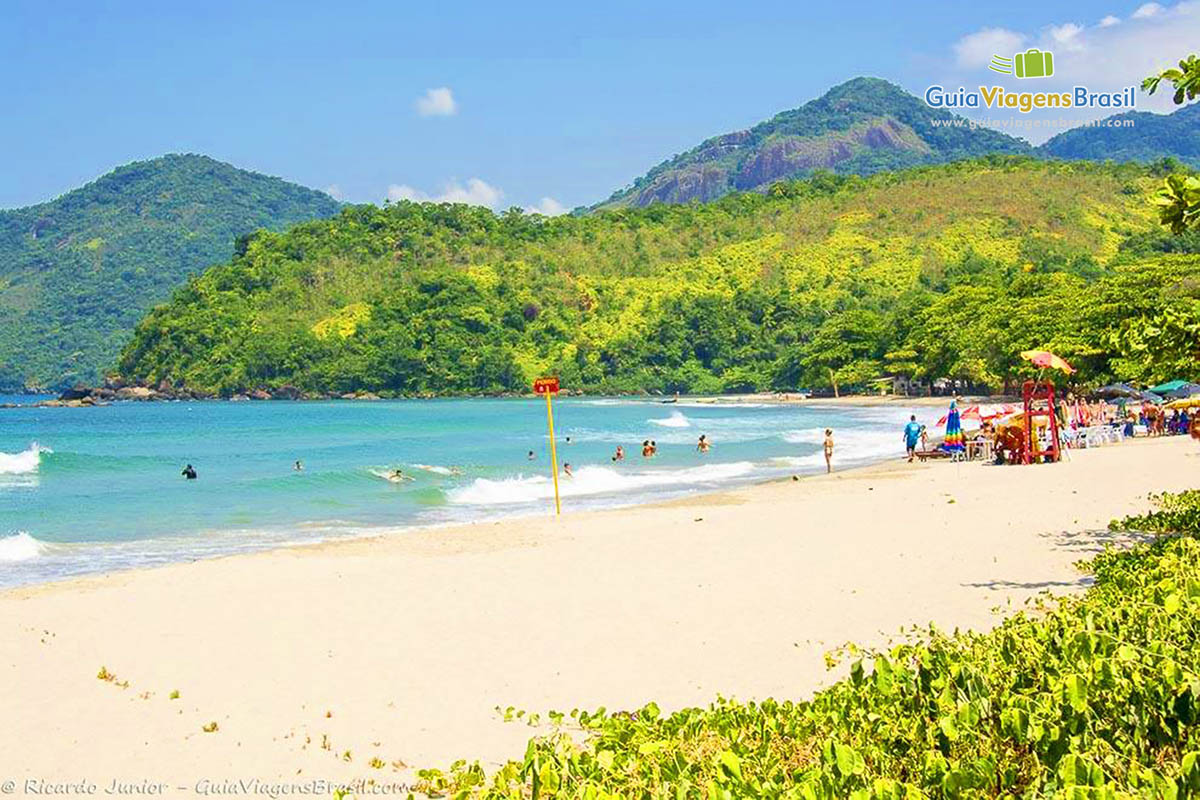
pixel 1033 63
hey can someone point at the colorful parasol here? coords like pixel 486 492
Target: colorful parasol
pixel 1046 360
pixel 971 412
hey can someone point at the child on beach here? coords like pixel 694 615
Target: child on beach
pixel 828 450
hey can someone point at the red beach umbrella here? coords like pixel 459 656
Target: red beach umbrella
pixel 1046 360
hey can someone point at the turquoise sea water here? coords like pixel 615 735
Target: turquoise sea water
pixel 88 490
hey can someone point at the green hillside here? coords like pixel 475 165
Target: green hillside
pixel 78 272
pixel 1152 137
pixel 943 271
pixel 863 126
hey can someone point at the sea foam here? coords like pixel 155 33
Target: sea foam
pixel 677 420
pixel 22 463
pixel 20 547
pixel 591 481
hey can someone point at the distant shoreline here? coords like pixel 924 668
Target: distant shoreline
pixel 94 397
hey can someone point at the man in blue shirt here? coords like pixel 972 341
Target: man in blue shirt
pixel 912 433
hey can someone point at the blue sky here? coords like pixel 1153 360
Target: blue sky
pixel 548 105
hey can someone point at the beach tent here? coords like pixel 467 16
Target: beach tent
pixel 1169 386
pixel 1119 390
pixel 1187 390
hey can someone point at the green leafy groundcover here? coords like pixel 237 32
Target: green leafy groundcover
pixel 1093 695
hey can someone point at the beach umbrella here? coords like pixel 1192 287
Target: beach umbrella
pixel 994 412
pixel 1046 360
pixel 1149 397
pixel 1187 402
pixel 1169 386
pixel 1187 390
pixel 1118 390
pixel 970 412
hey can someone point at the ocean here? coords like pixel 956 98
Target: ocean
pixel 86 490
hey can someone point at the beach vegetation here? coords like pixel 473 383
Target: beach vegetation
pixel 941 272
pixel 1094 695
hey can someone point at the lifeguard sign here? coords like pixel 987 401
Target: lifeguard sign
pixel 549 387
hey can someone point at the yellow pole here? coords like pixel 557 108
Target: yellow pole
pixel 553 455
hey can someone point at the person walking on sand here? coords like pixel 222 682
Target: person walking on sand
pixel 704 444
pixel 912 435
pixel 828 446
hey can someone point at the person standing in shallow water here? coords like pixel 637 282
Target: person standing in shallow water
pixel 828 447
pixel 189 472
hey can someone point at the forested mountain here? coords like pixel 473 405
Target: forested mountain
pixel 78 272
pixel 944 271
pixel 1151 137
pixel 868 125
pixel 863 126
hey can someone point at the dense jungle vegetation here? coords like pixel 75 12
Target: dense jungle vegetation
pixel 936 272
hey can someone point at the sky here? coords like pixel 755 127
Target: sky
pixel 537 105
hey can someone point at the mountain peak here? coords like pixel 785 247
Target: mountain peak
pixel 863 125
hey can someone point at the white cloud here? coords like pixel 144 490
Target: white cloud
pixel 334 191
pixel 547 207
pixel 475 192
pixel 437 103
pixel 1105 57
pixel 1066 36
pixel 976 49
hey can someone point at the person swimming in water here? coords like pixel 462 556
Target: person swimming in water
pixel 189 472
pixel 647 450
pixel 531 456
pixel 620 454
pixel 567 469
pixel 704 444
pixel 397 476
pixel 298 466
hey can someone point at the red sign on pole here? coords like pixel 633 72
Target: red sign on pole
pixel 545 386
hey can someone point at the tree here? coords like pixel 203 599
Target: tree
pixel 1179 200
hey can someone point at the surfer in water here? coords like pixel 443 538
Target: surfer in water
pixel 397 476
pixel 189 472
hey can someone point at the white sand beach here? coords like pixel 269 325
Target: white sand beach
pixel 313 661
